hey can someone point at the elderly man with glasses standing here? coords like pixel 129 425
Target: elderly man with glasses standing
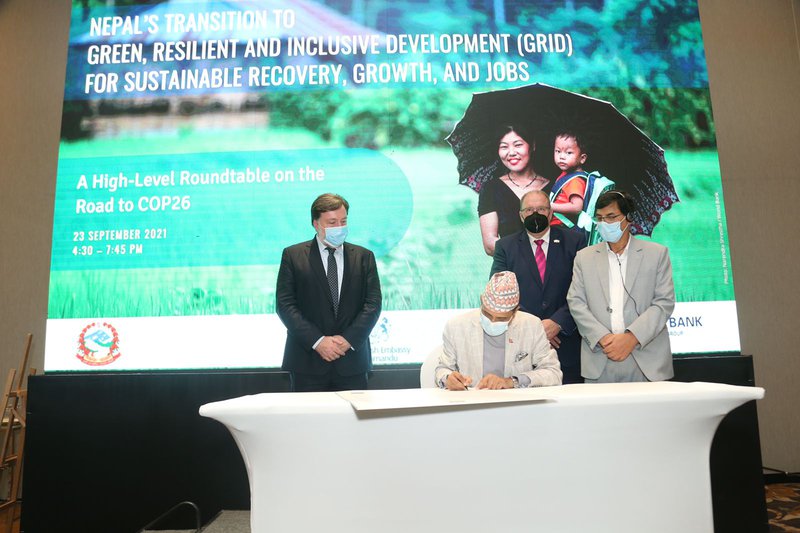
pixel 542 256
pixel 621 297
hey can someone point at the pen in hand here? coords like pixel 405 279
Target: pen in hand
pixel 458 381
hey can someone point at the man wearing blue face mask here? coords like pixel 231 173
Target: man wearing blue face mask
pixel 329 299
pixel 621 296
pixel 497 346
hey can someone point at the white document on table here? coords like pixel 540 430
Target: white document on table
pixel 372 400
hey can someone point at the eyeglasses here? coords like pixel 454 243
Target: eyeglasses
pixel 531 210
pixel 607 218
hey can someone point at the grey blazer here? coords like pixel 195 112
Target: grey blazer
pixel 527 350
pixel 648 280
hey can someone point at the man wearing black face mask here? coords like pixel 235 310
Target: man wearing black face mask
pixel 542 256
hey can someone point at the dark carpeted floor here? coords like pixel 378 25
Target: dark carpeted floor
pixel 783 507
pixel 783 510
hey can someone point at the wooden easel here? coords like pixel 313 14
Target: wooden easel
pixel 15 397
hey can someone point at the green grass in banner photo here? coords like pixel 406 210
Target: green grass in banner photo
pixel 189 139
pixel 138 292
pixel 695 230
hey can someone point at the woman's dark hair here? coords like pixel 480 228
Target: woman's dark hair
pixel 522 131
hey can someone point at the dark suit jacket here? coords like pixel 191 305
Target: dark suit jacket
pixel 548 299
pixel 304 305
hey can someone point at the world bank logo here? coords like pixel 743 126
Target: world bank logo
pixel 98 344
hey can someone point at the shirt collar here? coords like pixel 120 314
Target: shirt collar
pixel 323 246
pixel 624 253
pixel 545 238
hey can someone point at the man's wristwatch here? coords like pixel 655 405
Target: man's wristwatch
pixel 515 379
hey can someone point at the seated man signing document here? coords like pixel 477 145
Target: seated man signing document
pixel 497 346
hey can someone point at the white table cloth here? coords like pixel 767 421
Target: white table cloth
pixel 579 458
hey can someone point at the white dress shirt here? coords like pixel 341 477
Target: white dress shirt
pixel 617 265
pixel 545 244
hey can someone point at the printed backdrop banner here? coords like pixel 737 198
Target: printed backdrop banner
pixel 196 134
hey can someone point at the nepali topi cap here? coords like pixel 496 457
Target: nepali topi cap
pixel 502 293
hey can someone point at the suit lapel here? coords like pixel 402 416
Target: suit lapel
pixel 635 257
pixel 349 267
pixel 527 257
pixel 512 343
pixel 476 339
pixel 315 260
pixel 555 253
pixel 601 267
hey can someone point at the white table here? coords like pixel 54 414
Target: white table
pixel 579 458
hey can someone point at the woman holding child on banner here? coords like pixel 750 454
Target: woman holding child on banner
pixel 591 147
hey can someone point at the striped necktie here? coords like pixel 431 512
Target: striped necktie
pixel 541 260
pixel 333 279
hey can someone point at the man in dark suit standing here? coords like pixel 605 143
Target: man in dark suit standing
pixel 329 299
pixel 541 256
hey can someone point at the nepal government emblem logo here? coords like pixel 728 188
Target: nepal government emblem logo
pixel 98 344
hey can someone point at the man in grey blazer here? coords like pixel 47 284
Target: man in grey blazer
pixel 621 297
pixel 497 346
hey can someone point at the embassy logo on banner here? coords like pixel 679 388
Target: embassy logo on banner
pixel 384 351
pixel 397 338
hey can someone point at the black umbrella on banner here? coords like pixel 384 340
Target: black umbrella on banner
pixel 616 148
